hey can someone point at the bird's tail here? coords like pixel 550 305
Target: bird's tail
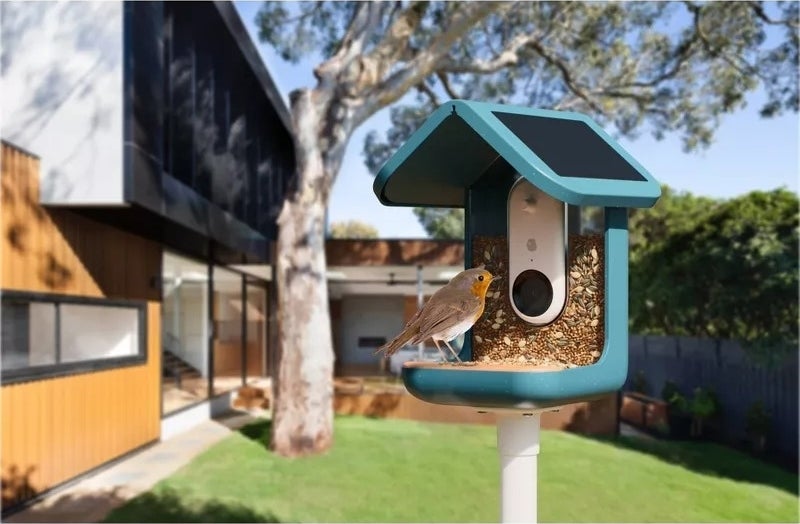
pixel 391 347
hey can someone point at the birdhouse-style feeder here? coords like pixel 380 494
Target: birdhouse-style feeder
pixel 555 326
pixel 554 330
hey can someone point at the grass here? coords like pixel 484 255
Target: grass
pixel 403 471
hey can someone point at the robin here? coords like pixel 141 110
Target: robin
pixel 451 311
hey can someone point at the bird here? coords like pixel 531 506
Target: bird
pixel 451 311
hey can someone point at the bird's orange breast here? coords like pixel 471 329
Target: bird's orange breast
pixel 479 288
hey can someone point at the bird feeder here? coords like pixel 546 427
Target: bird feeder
pixel 555 326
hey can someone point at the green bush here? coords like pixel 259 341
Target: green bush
pixel 669 390
pixel 703 404
pixel 640 383
pixel 679 403
pixel 758 419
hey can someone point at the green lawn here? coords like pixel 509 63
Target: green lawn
pixel 390 471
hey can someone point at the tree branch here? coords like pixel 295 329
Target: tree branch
pixel 395 41
pixel 392 88
pixel 508 57
pixel 448 88
pixel 366 19
pixel 696 11
pixel 304 14
pixel 758 9
pixel 423 88
pixel 566 75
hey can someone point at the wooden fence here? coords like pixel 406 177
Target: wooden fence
pixel 725 367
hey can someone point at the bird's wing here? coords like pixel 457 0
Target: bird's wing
pixel 440 316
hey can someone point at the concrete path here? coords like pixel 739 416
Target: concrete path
pixel 630 431
pixel 92 498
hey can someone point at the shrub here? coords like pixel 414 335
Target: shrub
pixel 702 407
pixel 668 391
pixel 758 418
pixel 640 383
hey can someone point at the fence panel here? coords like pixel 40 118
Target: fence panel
pixel 725 367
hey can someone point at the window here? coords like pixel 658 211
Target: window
pixel 93 332
pixel 50 335
pixel 185 331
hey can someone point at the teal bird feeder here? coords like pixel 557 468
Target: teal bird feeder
pixel 555 327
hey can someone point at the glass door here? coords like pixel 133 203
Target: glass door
pixel 184 332
pixel 257 330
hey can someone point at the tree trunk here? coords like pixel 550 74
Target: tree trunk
pixel 302 421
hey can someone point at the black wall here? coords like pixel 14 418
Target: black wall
pixel 205 147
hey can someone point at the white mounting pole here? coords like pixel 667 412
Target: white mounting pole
pixel 518 445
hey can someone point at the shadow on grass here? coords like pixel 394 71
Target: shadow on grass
pixel 710 459
pixel 168 506
pixel 260 431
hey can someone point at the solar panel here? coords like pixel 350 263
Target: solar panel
pixel 569 147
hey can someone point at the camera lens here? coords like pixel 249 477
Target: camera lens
pixel 532 293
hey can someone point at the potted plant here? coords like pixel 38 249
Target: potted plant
pixel 640 383
pixel 678 417
pixel 702 407
pixel 669 389
pixel 757 426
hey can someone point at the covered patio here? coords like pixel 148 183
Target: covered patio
pixel 375 286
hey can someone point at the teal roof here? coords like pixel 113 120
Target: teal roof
pixel 565 154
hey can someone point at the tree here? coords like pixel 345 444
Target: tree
pixel 651 230
pixel 353 229
pixel 615 61
pixel 728 270
pixel 441 223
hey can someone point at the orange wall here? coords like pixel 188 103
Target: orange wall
pixel 58 428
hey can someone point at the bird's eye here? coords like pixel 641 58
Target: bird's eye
pixel 480 278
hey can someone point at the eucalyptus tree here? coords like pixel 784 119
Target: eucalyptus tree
pixel 634 66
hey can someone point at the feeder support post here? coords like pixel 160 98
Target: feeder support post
pixel 518 445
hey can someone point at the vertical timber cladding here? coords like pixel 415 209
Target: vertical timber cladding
pixel 57 428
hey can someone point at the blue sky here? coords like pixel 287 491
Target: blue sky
pixel 748 153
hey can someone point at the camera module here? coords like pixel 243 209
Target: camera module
pixel 532 293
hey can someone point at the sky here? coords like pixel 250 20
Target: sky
pixel 748 153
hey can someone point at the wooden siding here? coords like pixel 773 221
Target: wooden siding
pixel 59 251
pixel 57 428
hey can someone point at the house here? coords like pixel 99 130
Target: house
pixel 145 155
pixel 146 152
pixel 375 287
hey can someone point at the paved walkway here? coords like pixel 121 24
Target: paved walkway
pixel 630 431
pixel 92 498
